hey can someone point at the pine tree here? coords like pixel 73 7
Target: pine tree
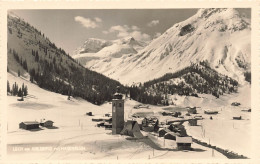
pixel 20 93
pixel 25 92
pixel 19 73
pixel 12 91
pixel 8 86
pixel 36 56
pixel 25 65
pixel 23 87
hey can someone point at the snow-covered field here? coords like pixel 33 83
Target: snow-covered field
pixel 77 137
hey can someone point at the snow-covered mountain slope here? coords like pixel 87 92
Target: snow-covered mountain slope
pixel 113 50
pixel 92 45
pixel 219 36
pixel 31 54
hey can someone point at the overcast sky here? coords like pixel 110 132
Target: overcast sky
pixel 69 29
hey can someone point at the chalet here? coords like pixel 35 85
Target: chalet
pixel 100 124
pixel 178 128
pixel 109 119
pixel 150 124
pixel 89 114
pixel 167 113
pixel 237 118
pixel 97 119
pixel 163 131
pixel 246 110
pixel 171 135
pixel 184 143
pixel 198 117
pixel 132 128
pixel 192 110
pixel 193 122
pixel 235 104
pixel 29 125
pixel 108 126
pixel 210 112
pixel 47 123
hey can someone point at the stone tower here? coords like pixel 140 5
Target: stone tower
pixel 117 113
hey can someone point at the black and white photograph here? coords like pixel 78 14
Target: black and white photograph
pixel 129 84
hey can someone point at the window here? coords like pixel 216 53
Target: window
pixel 120 104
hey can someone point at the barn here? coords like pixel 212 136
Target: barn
pixel 183 143
pixel 29 125
pixel 47 123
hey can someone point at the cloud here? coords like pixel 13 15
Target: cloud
pixel 157 35
pixel 153 23
pixel 97 19
pixel 88 23
pixel 135 28
pixel 105 32
pixel 126 31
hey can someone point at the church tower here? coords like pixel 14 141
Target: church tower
pixel 117 113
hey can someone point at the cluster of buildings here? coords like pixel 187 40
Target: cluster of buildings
pixel 29 125
pixel 134 128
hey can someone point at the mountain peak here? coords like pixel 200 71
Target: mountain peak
pixel 207 12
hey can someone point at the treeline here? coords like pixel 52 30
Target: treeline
pixel 16 90
pixel 197 78
pixel 139 94
pixel 71 80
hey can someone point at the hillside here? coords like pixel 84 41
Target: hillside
pixel 190 81
pixel 212 35
pixel 32 55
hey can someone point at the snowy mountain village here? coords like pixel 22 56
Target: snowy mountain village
pixel 184 94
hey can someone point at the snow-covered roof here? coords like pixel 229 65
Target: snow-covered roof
pixel 30 122
pixel 49 121
pixel 183 139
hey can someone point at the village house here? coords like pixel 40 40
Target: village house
pixel 192 110
pixel 47 123
pixel 193 122
pixel 89 114
pixel 132 128
pixel 108 126
pixel 184 143
pixel 163 131
pixel 171 135
pixel 29 125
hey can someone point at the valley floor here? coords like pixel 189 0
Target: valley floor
pixel 77 137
